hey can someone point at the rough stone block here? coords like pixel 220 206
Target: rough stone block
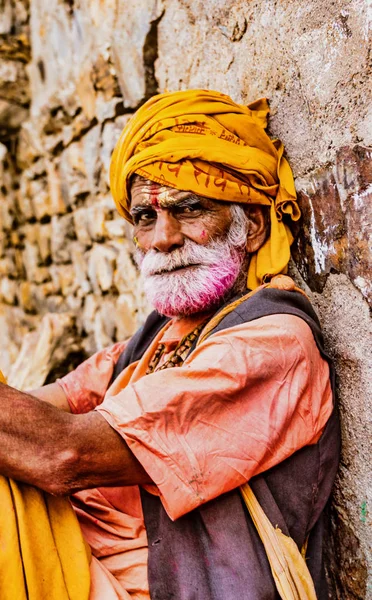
pixel 337 214
pixel 86 92
pixel 126 274
pixel 129 38
pixel 96 222
pixel 7 266
pixel 52 303
pixel 91 154
pixel 14 324
pixel 42 350
pixel 25 296
pixel 6 17
pixel 101 265
pixel 13 82
pixel 89 311
pixel 24 205
pixel 6 210
pixel 105 81
pixel 58 206
pixel 79 260
pixel 62 231
pixel 72 129
pixel 30 259
pixel 74 74
pixel 18 257
pixel 347 328
pixel 106 109
pixel 73 173
pixel 115 229
pixel 110 136
pixel 12 116
pixel 29 145
pixel 40 198
pixel 125 315
pixel 14 19
pixel 74 303
pixel 81 226
pixel 315 73
pixel 90 224
pixel 8 290
pixel 105 323
pixel 29 233
pixel 63 277
pixel 43 239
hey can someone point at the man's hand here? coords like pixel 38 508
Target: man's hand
pixel 59 452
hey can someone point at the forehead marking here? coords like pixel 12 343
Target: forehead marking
pixel 154 195
pixel 160 196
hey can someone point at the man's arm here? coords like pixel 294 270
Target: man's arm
pixel 246 399
pixel 59 452
pixel 53 394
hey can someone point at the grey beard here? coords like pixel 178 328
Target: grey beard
pixel 219 271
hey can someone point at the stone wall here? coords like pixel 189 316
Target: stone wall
pixel 64 251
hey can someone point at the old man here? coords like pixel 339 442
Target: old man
pixel 226 383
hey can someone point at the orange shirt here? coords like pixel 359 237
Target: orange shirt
pixel 246 399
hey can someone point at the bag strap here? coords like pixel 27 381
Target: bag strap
pixel 288 567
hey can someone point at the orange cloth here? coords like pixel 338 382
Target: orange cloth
pixel 246 399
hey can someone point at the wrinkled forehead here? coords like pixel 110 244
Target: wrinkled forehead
pixel 144 192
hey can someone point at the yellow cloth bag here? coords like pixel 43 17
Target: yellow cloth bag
pixel 288 567
pixel 43 555
pixel 202 141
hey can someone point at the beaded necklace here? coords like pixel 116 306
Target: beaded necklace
pixel 180 353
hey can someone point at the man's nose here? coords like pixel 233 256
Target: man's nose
pixel 167 233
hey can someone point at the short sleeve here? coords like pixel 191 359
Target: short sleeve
pixel 246 399
pixel 85 387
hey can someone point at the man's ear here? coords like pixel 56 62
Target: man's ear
pixel 258 227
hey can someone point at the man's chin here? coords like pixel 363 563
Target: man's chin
pixel 183 304
pixel 180 310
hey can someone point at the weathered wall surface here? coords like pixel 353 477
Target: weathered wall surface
pixel 64 251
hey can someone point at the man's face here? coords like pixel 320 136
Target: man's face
pixel 190 249
pixel 165 217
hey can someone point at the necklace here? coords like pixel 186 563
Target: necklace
pixel 179 354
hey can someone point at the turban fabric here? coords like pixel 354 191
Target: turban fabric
pixel 203 142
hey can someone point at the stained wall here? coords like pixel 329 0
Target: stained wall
pixel 72 73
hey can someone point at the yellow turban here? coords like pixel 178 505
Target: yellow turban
pixel 201 141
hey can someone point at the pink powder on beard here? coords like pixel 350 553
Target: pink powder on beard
pixel 214 288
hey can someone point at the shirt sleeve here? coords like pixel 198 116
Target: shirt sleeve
pixel 246 399
pixel 85 387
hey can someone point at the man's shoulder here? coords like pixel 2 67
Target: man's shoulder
pixel 269 302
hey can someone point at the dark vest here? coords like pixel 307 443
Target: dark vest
pixel 214 552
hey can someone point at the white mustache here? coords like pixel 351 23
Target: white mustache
pixel 190 254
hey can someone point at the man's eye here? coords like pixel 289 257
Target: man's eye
pixel 188 210
pixel 144 217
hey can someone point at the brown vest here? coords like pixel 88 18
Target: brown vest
pixel 214 552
